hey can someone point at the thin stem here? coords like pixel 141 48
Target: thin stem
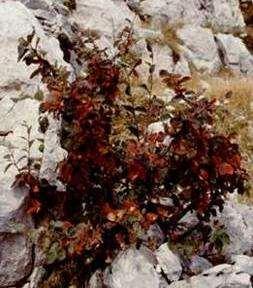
pixel 28 151
pixel 14 162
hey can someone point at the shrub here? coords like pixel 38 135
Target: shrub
pixel 115 185
pixel 234 115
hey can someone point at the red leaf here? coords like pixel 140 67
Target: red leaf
pixel 203 174
pixel 65 172
pixel 136 171
pixel 182 147
pixel 203 202
pixel 226 169
pixel 33 207
pixel 151 217
pixel 235 161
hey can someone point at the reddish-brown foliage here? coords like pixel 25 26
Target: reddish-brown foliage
pixel 115 187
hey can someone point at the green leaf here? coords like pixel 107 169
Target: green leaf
pixel 141 109
pixel 37 166
pixel 35 73
pixel 7 157
pixel 129 108
pixel 152 69
pixel 128 90
pixel 55 253
pixel 24 168
pixel 33 235
pixel 134 130
pixel 21 98
pixel 37 42
pixel 52 254
pixel 145 87
pixel 7 167
pixel 39 95
pixel 41 147
pixel 31 143
pixel 149 46
pixel 220 238
pixel 24 124
pixel 22 48
pixel 41 140
pixel 21 158
pixel 31 36
pixel 29 129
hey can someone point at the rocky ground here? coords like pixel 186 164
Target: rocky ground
pixel 206 34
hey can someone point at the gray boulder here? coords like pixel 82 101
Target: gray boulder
pixel 199 264
pixel 238 221
pixel 174 12
pixel 225 16
pixel 143 269
pixel 168 262
pixel 133 268
pixel 235 54
pixel 199 48
pixel 16 106
pixel 221 276
pixel 15 258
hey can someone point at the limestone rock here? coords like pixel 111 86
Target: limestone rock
pixel 154 234
pixel 53 153
pixel 142 268
pixel 96 280
pixel 35 277
pixel 38 4
pixel 238 222
pixel 221 276
pixel 174 12
pixel 222 15
pixel 243 263
pixel 225 16
pixel 16 106
pixel 133 268
pixel 15 259
pixel 235 54
pixel 199 48
pixel 17 21
pixel 195 22
pixel 108 19
pixel 199 264
pixel 169 263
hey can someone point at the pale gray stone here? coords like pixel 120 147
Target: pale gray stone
pixel 225 16
pixel 35 277
pixel 235 54
pixel 16 106
pixel 106 17
pixel 199 264
pixel 168 262
pixel 199 48
pixel 243 263
pixel 132 268
pixel 155 234
pixel 238 222
pixel 174 12
pixel 15 258
pixel 53 153
pixel 221 276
